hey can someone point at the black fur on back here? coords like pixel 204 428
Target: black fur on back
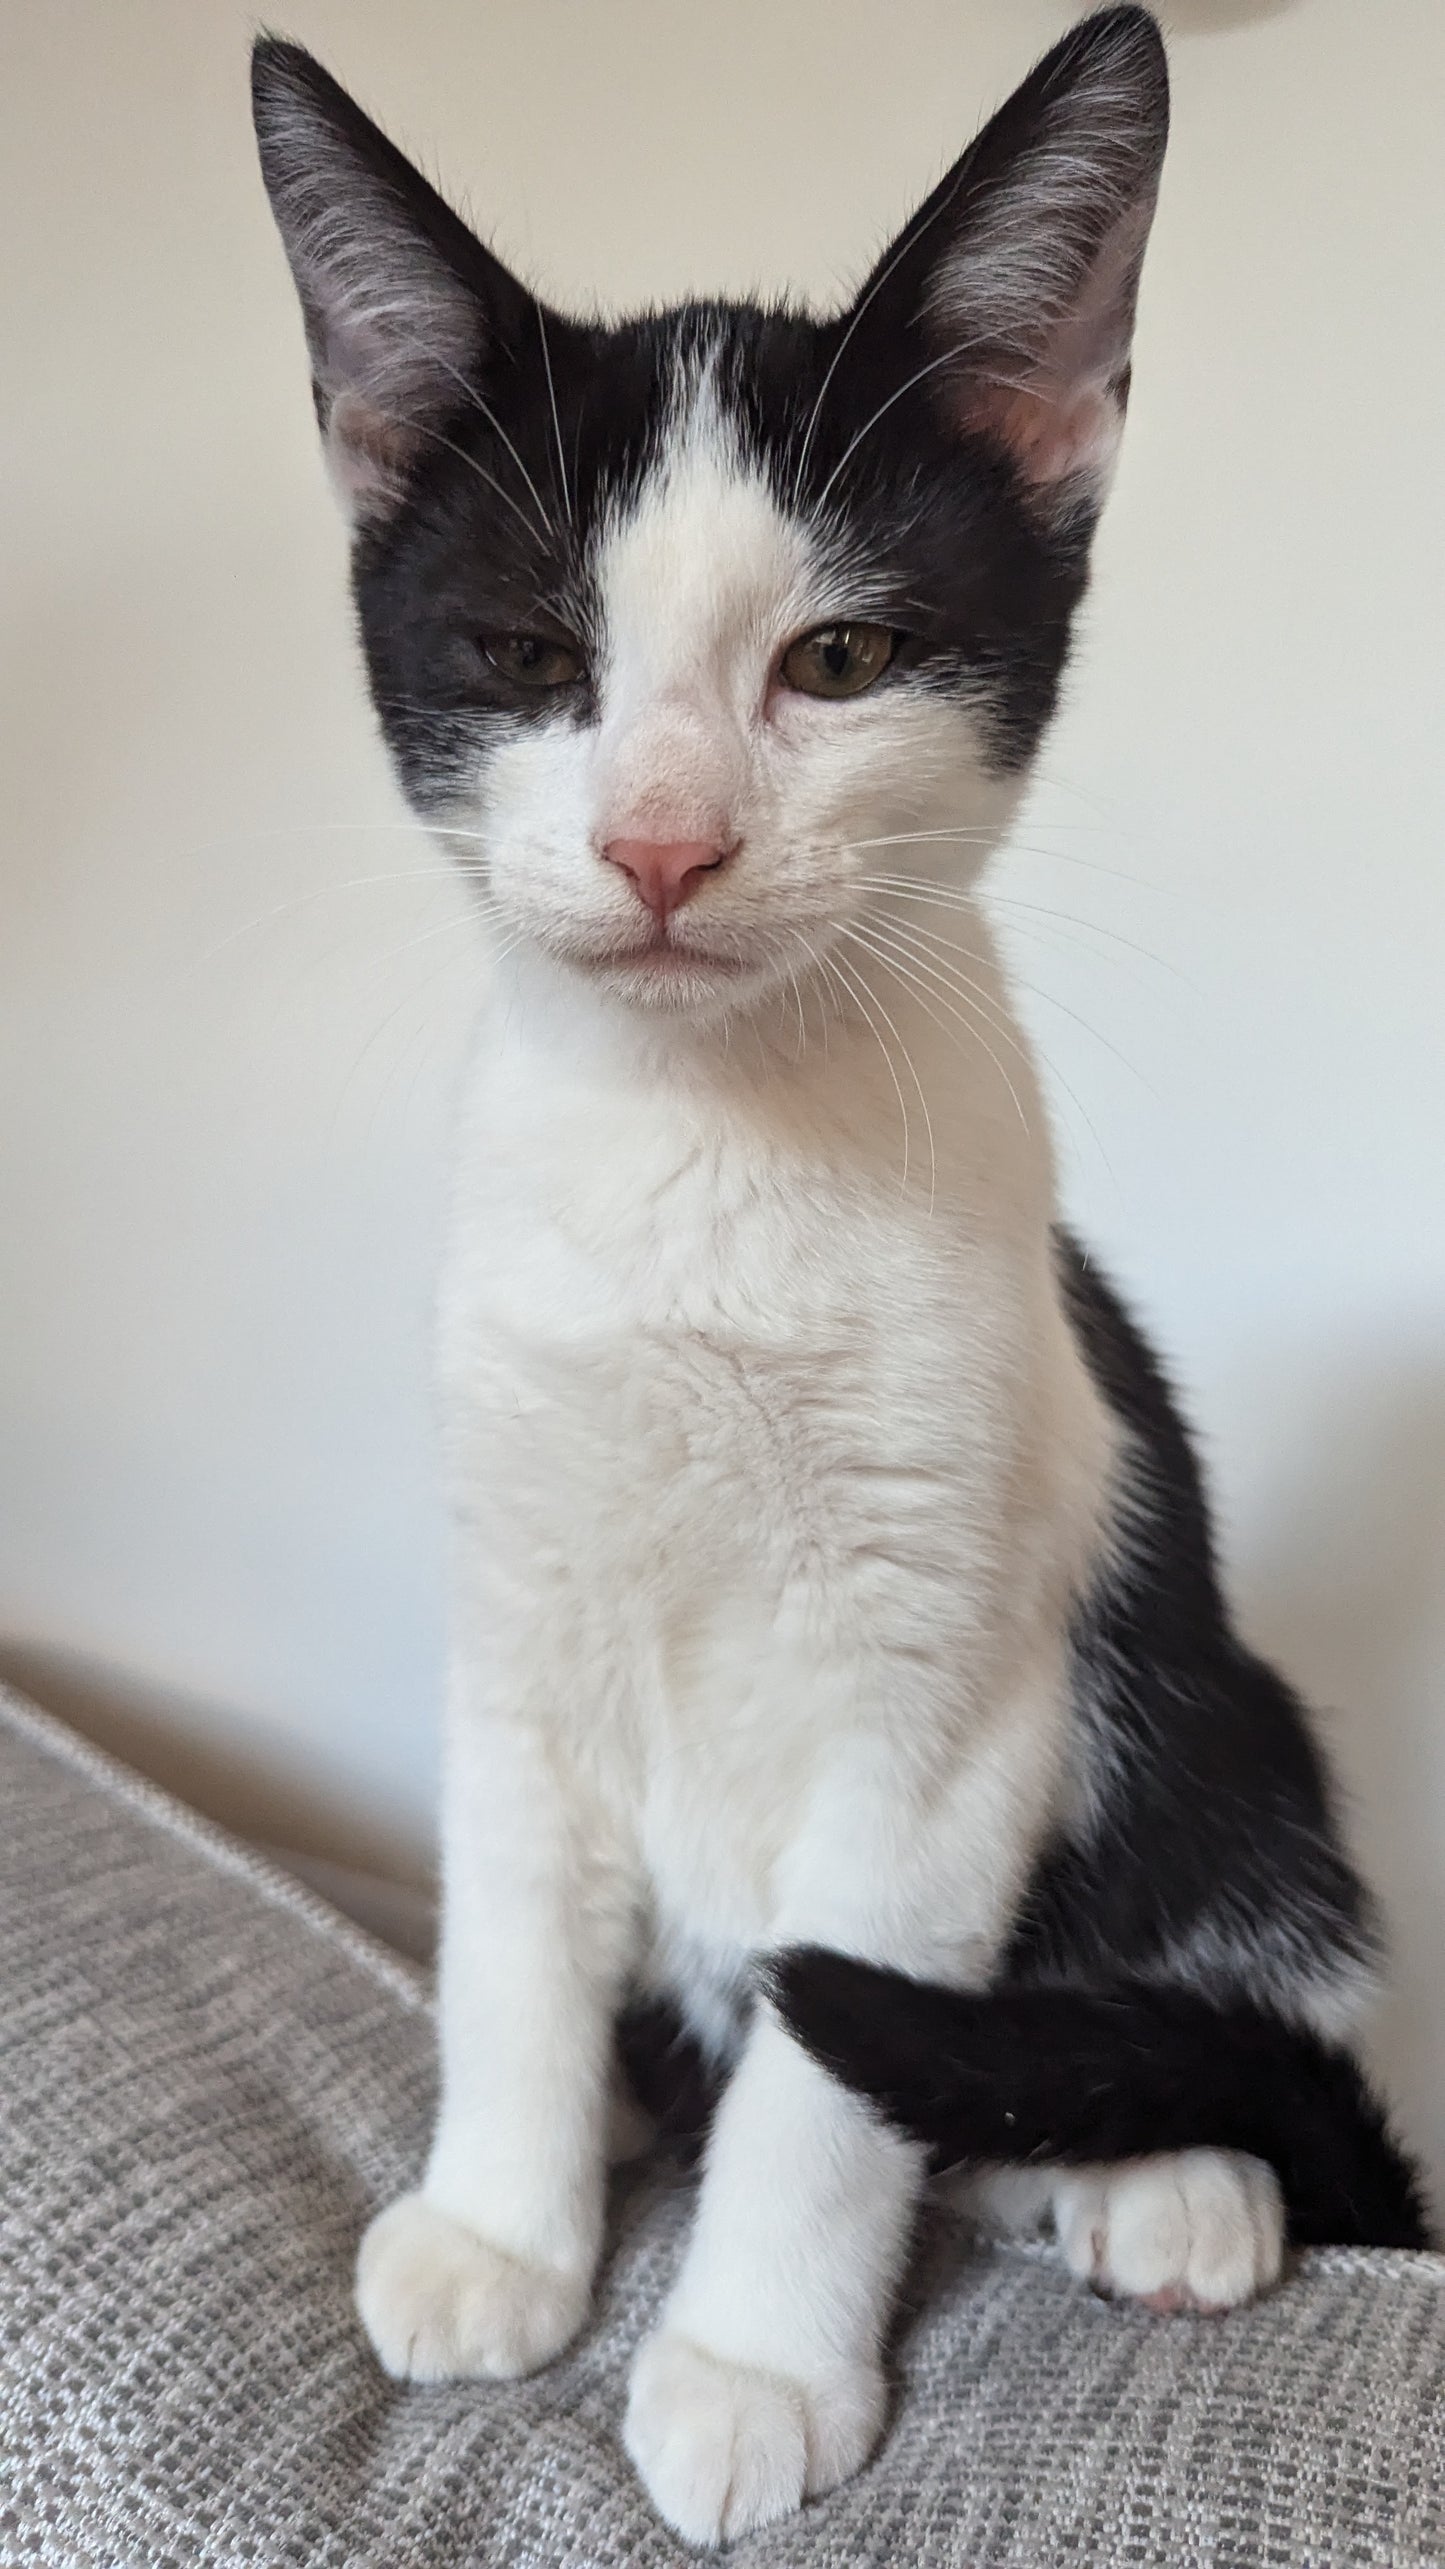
pixel 1204 1850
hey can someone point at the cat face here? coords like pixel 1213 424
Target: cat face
pixel 693 630
pixel 749 691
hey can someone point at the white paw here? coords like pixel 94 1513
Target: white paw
pixel 438 2302
pixel 723 2448
pixel 1196 2230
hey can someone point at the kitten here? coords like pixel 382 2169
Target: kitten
pixel 830 1566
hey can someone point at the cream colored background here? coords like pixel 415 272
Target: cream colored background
pixel 226 1064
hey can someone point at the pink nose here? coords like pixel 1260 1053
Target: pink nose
pixel 664 872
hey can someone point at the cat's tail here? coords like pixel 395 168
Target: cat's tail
pixel 1028 2076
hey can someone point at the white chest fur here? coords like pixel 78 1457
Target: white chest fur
pixel 769 1468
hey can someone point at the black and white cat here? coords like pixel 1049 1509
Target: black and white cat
pixel 830 1565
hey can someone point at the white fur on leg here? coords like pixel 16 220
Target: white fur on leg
pixel 764 2386
pixel 1193 2230
pixel 726 2447
pixel 439 2302
pixel 487 2269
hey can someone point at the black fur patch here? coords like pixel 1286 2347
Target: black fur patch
pixel 669 2075
pixel 1207 1847
pixel 926 521
pixel 1051 2076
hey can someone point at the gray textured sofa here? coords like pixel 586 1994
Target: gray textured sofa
pixel 207 2081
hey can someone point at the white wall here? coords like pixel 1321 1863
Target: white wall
pixel 226 1063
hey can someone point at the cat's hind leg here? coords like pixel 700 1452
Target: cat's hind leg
pixel 1200 2230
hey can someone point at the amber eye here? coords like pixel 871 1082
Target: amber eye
pixel 838 659
pixel 529 661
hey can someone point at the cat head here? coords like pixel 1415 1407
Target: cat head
pixel 701 625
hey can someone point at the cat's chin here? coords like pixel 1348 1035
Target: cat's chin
pixel 672 981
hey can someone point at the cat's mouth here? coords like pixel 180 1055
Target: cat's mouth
pixel 661 956
pixel 658 968
pixel 661 972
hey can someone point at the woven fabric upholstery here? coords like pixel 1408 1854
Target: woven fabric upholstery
pixel 207 2082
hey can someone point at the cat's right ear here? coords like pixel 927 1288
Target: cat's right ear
pixel 403 305
pixel 1010 296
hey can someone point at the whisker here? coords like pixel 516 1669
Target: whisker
pixel 917 377
pixel 948 896
pixel 489 414
pixel 928 945
pixel 408 999
pixel 1005 844
pixel 797 997
pixel 816 960
pixel 1056 784
pixel 423 429
pixel 949 977
pixel 1062 1005
pixel 902 249
pixel 425 1025
pixel 305 829
pixel 922 1100
pixel 434 358
pixel 975 832
pixel 321 892
pixel 556 421
pixel 425 348
pixel 904 971
pixel 1067 935
pixel 832 963
pixel 444 927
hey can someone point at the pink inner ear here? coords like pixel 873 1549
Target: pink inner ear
pixel 368 452
pixel 1054 432
pixel 1057 403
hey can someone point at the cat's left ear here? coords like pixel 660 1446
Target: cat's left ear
pixel 1015 284
pixel 404 306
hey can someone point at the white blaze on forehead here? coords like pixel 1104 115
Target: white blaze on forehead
pixel 700 584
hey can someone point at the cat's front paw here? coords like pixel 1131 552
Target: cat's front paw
pixel 723 2448
pixel 1196 2230
pixel 439 2302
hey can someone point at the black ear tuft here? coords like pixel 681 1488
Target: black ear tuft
pixel 401 301
pixel 1021 272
